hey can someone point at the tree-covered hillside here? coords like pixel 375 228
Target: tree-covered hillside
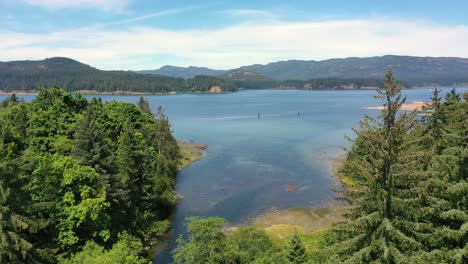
pixel 415 70
pixel 73 76
pixel 83 181
pixel 183 72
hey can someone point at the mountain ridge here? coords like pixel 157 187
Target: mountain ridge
pixel 446 70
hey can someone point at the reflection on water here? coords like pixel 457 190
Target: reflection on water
pixel 251 161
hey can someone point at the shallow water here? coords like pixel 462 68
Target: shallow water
pixel 251 160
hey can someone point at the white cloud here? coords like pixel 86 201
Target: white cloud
pixel 241 44
pixel 251 13
pixel 63 4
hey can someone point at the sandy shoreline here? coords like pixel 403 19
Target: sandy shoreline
pixel 416 105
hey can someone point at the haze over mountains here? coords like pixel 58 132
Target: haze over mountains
pixel 347 73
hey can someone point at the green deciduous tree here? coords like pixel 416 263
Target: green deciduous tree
pixel 83 207
pixel 207 242
pixel 125 251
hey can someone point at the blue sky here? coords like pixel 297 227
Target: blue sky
pixel 140 34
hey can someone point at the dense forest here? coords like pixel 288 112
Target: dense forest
pixel 83 181
pixel 73 76
pixel 407 196
pixel 313 84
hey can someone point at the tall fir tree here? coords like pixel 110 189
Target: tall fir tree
pixel 445 197
pixel 14 226
pixel 381 224
pixel 92 146
pixel 296 252
pixel 143 104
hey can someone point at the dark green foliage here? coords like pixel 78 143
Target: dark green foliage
pixel 92 147
pixel 75 173
pixel 144 105
pixel 74 76
pixel 409 203
pixel 295 250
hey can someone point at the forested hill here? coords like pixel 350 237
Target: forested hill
pixel 183 72
pixel 73 75
pixel 412 70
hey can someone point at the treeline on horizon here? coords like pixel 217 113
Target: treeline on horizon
pixel 73 76
pixel 313 84
pixel 110 81
pixel 406 194
pixel 82 180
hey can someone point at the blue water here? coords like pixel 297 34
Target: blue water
pixel 250 161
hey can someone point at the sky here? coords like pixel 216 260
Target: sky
pixel 147 34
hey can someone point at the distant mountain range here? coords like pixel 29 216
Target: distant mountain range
pixel 348 73
pixel 184 72
pixel 443 70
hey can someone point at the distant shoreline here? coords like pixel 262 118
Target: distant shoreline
pixel 410 106
pixel 94 92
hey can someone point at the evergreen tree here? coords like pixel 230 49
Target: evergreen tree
pixel 143 104
pixel 130 179
pixel 91 145
pixel 452 96
pixel 166 146
pixel 381 227
pixel 445 197
pixel 295 250
pixel 14 246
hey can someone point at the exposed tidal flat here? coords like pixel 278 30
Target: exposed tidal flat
pixel 256 166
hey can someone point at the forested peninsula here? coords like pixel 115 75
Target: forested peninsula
pixel 83 181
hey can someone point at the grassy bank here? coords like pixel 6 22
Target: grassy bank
pixel 312 224
pixel 191 152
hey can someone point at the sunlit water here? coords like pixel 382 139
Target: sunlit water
pixel 251 160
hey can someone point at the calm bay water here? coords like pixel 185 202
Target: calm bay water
pixel 250 161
